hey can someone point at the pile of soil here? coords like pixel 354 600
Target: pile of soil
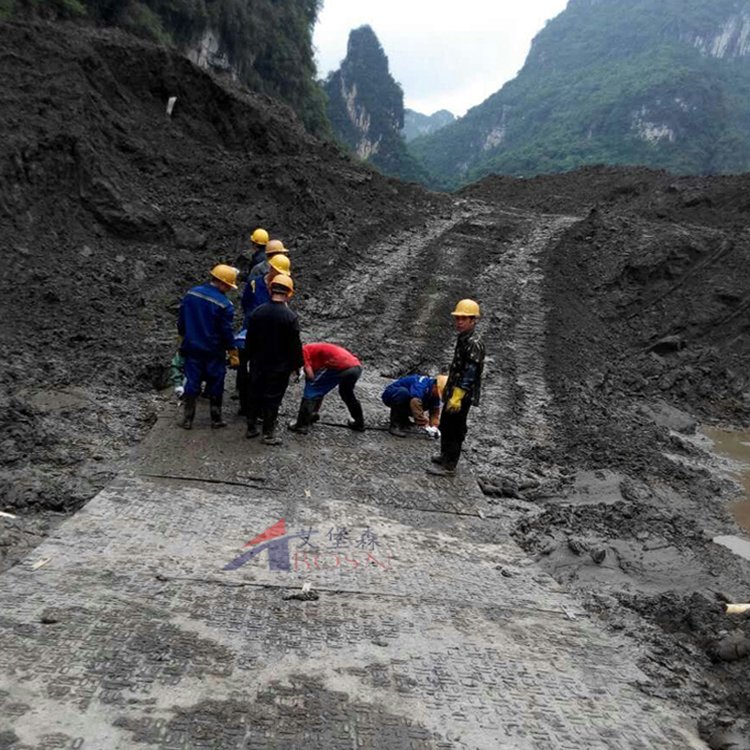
pixel 111 210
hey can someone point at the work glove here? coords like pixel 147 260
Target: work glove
pixel 234 358
pixel 433 432
pixel 179 391
pixel 454 402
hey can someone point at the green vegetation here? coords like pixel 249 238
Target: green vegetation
pixel 616 82
pixel 366 107
pixel 268 42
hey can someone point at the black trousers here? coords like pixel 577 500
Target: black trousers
pixel 242 378
pixel 265 392
pixel 453 432
pixel 349 379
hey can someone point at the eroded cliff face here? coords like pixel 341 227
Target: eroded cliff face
pixel 207 52
pixel 732 40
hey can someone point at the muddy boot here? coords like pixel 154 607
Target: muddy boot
pixel 357 422
pixel 188 413
pixel 271 438
pixel 216 420
pixel 396 428
pixel 304 418
pixel 315 416
pixel 269 428
pixel 443 470
pixel 437 458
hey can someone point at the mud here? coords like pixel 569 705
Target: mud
pixel 290 711
pixel 615 319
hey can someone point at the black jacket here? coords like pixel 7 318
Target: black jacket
pixel 273 342
pixel 466 367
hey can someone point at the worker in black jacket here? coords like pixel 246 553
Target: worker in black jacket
pixel 462 390
pixel 274 352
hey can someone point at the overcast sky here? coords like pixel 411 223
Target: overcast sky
pixel 445 55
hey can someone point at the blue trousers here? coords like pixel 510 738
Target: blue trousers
pixel 208 369
pixel 394 394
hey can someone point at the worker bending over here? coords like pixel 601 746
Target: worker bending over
pixel 326 367
pixel 414 397
pixel 462 389
pixel 274 352
pixel 205 325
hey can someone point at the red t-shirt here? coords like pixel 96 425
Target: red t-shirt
pixel 328 357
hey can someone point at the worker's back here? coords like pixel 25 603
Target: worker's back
pixel 273 340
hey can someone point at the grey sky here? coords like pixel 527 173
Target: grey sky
pixel 445 55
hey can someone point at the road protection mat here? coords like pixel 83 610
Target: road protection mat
pixel 324 595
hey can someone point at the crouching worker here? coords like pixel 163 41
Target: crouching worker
pixel 462 389
pixel 414 397
pixel 274 352
pixel 205 324
pixel 326 367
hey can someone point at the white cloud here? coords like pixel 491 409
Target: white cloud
pixel 445 55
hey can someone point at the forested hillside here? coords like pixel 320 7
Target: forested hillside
pixel 663 83
pixel 265 44
pixel 416 124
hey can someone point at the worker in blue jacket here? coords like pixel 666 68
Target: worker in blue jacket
pixel 417 397
pixel 257 290
pixel 205 326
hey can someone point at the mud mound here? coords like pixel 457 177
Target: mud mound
pixel 111 210
pixel 634 191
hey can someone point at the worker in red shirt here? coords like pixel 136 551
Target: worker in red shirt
pixel 328 366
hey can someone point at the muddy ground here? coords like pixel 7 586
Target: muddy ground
pixel 616 316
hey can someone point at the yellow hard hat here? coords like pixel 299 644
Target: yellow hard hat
pixel 259 236
pixel 467 308
pixel 275 246
pixel 280 263
pixel 441 381
pixel 225 273
pixel 284 281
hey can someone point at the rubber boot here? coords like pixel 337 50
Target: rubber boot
pixel 357 422
pixel 396 428
pixel 216 420
pixel 269 428
pixel 304 417
pixel 315 416
pixel 252 428
pixel 188 412
pixel 443 470
pixel 449 455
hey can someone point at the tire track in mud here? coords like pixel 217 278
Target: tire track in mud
pixel 391 307
pixel 513 416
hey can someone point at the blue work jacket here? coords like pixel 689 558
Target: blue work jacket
pixel 205 322
pixel 419 386
pixel 255 294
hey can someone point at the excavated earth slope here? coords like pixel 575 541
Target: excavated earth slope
pixel 611 299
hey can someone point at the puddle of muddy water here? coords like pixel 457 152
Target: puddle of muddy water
pixel 736 447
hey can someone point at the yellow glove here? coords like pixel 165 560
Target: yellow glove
pixel 234 358
pixel 454 402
